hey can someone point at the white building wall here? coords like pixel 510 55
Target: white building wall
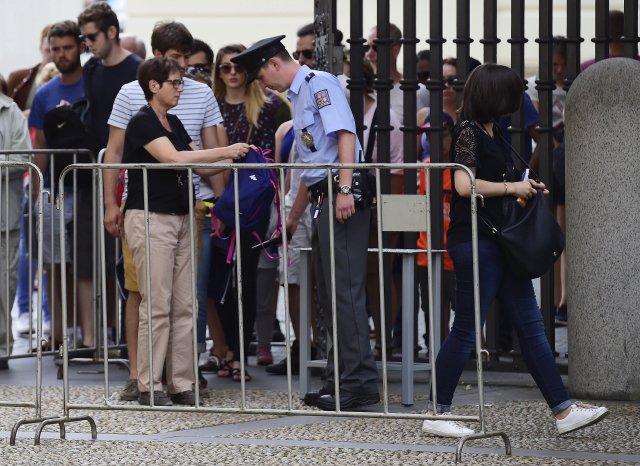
pixel 221 22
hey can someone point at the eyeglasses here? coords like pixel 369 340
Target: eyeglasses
pixel 449 81
pixel 91 36
pixel 308 54
pixel 373 47
pixel 198 68
pixel 226 68
pixel 176 83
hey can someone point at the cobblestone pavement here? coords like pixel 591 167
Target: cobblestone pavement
pixel 126 437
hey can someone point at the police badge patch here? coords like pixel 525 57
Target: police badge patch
pixel 322 98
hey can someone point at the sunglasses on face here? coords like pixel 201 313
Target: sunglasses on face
pixel 176 83
pixel 373 47
pixel 449 81
pixel 195 69
pixel 226 68
pixel 89 37
pixel 308 54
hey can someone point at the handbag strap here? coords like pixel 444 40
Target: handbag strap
pixel 371 140
pixel 533 173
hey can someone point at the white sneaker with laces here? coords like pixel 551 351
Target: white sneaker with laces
pixel 581 415
pixel 22 324
pixel 446 428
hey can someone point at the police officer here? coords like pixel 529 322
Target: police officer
pixel 324 131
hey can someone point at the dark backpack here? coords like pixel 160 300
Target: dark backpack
pixel 64 129
pixel 257 188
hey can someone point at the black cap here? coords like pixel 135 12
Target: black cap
pixel 257 55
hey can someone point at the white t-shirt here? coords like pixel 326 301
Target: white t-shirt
pixel 396 139
pixel 196 109
pixel 558 97
pixel 397 99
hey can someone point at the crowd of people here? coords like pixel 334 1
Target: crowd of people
pixel 188 104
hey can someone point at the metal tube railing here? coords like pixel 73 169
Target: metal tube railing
pixel 107 405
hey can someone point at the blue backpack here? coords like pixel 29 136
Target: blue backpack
pixel 257 188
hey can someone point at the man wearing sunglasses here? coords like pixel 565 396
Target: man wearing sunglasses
pixel 198 110
pixel 200 62
pixel 305 50
pixel 104 74
pixel 396 94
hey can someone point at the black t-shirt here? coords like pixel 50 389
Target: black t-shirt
pixel 168 189
pixel 491 158
pixel 104 84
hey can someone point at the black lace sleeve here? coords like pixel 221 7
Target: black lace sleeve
pixel 466 145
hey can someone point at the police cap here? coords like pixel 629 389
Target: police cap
pixel 257 55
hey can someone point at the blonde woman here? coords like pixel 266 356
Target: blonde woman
pixel 252 116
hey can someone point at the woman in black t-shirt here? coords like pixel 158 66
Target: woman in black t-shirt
pixel 490 92
pixel 153 136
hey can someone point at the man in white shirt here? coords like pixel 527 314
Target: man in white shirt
pixel 199 113
pixel 396 94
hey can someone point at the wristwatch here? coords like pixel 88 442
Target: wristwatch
pixel 346 190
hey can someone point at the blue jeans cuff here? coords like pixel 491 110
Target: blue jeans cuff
pixel 440 409
pixel 561 407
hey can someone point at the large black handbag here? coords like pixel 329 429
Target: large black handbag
pixel 530 238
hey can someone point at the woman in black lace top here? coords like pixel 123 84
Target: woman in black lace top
pixel 490 92
pixel 252 116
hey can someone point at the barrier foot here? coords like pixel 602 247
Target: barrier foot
pixel 463 440
pixel 61 421
pixel 22 422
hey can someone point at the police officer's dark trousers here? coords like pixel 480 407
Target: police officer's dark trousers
pixel 357 367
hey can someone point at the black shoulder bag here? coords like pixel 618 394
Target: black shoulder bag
pixel 530 238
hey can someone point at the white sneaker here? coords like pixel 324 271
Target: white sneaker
pixel 22 324
pixel 581 415
pixel 446 428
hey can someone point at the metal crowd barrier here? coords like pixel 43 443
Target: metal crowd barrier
pixel 5 166
pixel 422 201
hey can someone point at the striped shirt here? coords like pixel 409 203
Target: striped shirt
pixel 197 109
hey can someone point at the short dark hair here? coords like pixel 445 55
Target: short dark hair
pixel 101 14
pixel 395 34
pixel 155 69
pixel 64 29
pixel 491 91
pixel 306 30
pixel 202 46
pixel 168 35
pixel 560 46
pixel 616 25
pixel 423 55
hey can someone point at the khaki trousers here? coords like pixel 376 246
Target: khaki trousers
pixel 171 298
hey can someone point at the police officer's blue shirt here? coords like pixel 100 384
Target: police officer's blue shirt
pixel 321 109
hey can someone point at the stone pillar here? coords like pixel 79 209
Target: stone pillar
pixel 603 230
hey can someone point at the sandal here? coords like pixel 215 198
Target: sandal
pixel 237 376
pixel 225 369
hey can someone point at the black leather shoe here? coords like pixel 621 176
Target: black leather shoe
pixel 347 401
pixel 311 398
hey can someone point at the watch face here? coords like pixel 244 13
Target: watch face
pixel 345 189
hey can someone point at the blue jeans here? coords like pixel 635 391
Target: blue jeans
pixel 24 280
pixel 517 299
pixel 204 266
